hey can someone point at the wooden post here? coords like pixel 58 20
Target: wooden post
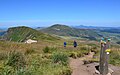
pixel 101 61
pixel 104 67
pixel 107 56
pixel 104 57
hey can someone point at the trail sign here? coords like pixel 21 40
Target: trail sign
pixel 104 55
pixel 107 50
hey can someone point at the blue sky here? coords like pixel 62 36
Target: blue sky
pixel 70 12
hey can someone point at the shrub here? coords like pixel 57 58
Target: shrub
pixel 48 56
pixel 3 56
pixel 23 72
pixel 60 58
pixel 115 58
pixel 16 60
pixel 53 49
pixel 67 71
pixel 73 55
pixel 49 49
pixel 29 51
pixel 46 49
pixel 80 54
pixel 95 50
pixel 6 70
pixel 85 50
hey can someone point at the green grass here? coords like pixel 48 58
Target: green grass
pixel 16 60
pixel 34 62
pixel 60 58
pixel 115 58
pixel 21 34
pixel 45 57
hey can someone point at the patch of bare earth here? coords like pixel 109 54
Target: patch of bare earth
pixel 78 67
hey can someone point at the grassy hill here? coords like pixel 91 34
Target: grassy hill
pixel 20 34
pixel 63 30
pixel 45 58
pixel 90 34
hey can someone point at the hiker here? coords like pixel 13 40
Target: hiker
pixel 75 44
pixel 65 44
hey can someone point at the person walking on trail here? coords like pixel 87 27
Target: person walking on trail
pixel 65 44
pixel 75 44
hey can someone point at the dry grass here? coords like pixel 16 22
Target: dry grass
pixel 35 56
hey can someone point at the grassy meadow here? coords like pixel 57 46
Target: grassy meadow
pixel 42 58
pixel 46 57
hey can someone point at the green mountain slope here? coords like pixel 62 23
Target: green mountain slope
pixel 20 34
pixel 63 30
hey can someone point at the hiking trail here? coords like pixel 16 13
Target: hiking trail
pixel 78 67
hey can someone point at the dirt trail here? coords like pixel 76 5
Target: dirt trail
pixel 78 68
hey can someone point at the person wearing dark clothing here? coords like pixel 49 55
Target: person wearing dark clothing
pixel 75 44
pixel 65 44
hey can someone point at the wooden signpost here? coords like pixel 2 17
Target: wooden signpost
pixel 104 56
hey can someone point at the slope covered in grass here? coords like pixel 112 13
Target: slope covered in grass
pixel 20 34
pixel 63 30
pixel 43 58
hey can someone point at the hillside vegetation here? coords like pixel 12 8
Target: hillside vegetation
pixel 42 58
pixel 63 30
pixel 48 56
pixel 20 34
pixel 84 33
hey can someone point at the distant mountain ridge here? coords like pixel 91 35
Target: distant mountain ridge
pixel 22 33
pixel 94 27
pixel 85 27
pixel 91 33
pixel 58 29
pixel 64 30
pixel 39 28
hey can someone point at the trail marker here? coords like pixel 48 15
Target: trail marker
pixel 104 56
pixel 107 50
